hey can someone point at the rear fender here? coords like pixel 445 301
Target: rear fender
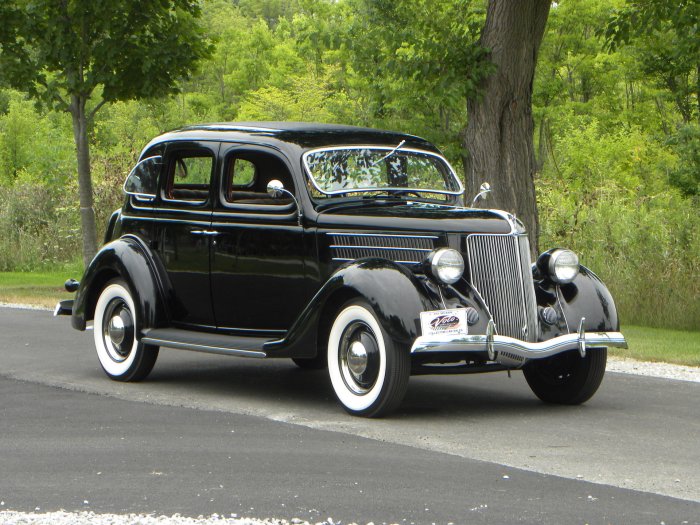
pixel 127 258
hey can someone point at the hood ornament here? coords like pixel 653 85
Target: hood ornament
pixel 484 190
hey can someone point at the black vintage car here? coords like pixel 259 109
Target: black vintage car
pixel 338 247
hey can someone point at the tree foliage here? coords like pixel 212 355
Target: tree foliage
pixel 669 33
pixel 617 169
pixel 128 48
pixel 614 149
pixel 62 53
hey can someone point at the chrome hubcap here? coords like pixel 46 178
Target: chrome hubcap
pixel 118 330
pixel 359 358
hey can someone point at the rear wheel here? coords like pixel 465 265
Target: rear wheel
pixel 368 370
pixel 122 356
pixel 567 378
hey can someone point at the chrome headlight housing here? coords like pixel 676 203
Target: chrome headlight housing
pixel 562 266
pixel 446 265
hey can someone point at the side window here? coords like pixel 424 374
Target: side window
pixel 143 179
pixel 189 176
pixel 243 174
pixel 247 173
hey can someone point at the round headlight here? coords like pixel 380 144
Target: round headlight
pixel 447 265
pixel 563 266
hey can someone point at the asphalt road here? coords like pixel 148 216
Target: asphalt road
pixel 208 434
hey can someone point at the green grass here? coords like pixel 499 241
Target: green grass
pixel 645 344
pixel 660 344
pixel 36 288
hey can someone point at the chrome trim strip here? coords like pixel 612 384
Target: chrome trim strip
pixel 228 127
pixel 250 220
pixel 142 197
pixel 144 208
pixel 193 202
pixel 342 259
pixel 161 219
pixel 180 210
pixel 408 236
pixel 379 247
pixel 263 210
pixel 385 148
pixel 204 348
pixel 523 349
pixel 174 210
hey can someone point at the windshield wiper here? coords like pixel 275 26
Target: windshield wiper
pixel 389 154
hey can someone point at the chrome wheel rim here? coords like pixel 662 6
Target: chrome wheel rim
pixel 359 358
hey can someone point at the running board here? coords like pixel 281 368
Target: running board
pixel 206 342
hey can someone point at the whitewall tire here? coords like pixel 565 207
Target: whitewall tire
pixel 368 371
pixel 122 356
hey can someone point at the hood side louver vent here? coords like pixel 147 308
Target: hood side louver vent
pixel 406 249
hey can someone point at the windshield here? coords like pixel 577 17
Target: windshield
pixel 367 169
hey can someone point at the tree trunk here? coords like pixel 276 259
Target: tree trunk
pixel 499 137
pixel 82 147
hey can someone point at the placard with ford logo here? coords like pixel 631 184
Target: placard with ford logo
pixel 444 322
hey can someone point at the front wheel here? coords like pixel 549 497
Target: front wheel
pixel 567 379
pixel 122 356
pixel 368 370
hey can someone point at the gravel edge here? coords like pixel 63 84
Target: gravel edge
pixel 17 306
pixel 623 365
pixel 9 517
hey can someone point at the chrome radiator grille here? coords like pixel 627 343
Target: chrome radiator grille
pixel 408 249
pixel 499 266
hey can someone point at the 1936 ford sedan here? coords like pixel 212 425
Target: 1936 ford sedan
pixel 338 247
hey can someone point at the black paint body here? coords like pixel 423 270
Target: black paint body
pixel 266 272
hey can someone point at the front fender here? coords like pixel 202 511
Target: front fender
pixel 396 295
pixel 587 296
pixel 130 259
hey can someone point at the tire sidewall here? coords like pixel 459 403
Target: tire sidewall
pixel 357 403
pixel 116 369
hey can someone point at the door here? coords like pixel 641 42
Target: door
pixel 184 230
pixel 257 268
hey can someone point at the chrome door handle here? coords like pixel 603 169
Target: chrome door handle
pixel 210 233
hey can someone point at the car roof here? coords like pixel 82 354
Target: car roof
pixel 306 135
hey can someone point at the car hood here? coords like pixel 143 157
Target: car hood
pixel 418 217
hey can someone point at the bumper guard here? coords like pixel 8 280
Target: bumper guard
pixel 513 352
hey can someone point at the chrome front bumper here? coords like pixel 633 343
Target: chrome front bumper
pixel 514 352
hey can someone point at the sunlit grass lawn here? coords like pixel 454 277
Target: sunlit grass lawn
pixel 660 344
pixel 35 288
pixel 645 344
